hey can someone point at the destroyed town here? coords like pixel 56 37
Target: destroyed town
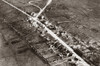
pixel 49 32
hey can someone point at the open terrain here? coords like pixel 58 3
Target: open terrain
pixel 80 18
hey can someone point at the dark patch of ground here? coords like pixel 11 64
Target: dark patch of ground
pixel 83 15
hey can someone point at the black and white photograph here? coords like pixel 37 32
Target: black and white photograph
pixel 49 32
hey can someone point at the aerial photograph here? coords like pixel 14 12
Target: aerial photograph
pixel 49 32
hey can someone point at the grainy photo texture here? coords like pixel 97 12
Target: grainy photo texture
pixel 49 32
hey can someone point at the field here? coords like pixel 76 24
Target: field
pixel 80 18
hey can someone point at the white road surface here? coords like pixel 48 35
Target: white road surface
pixel 49 31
